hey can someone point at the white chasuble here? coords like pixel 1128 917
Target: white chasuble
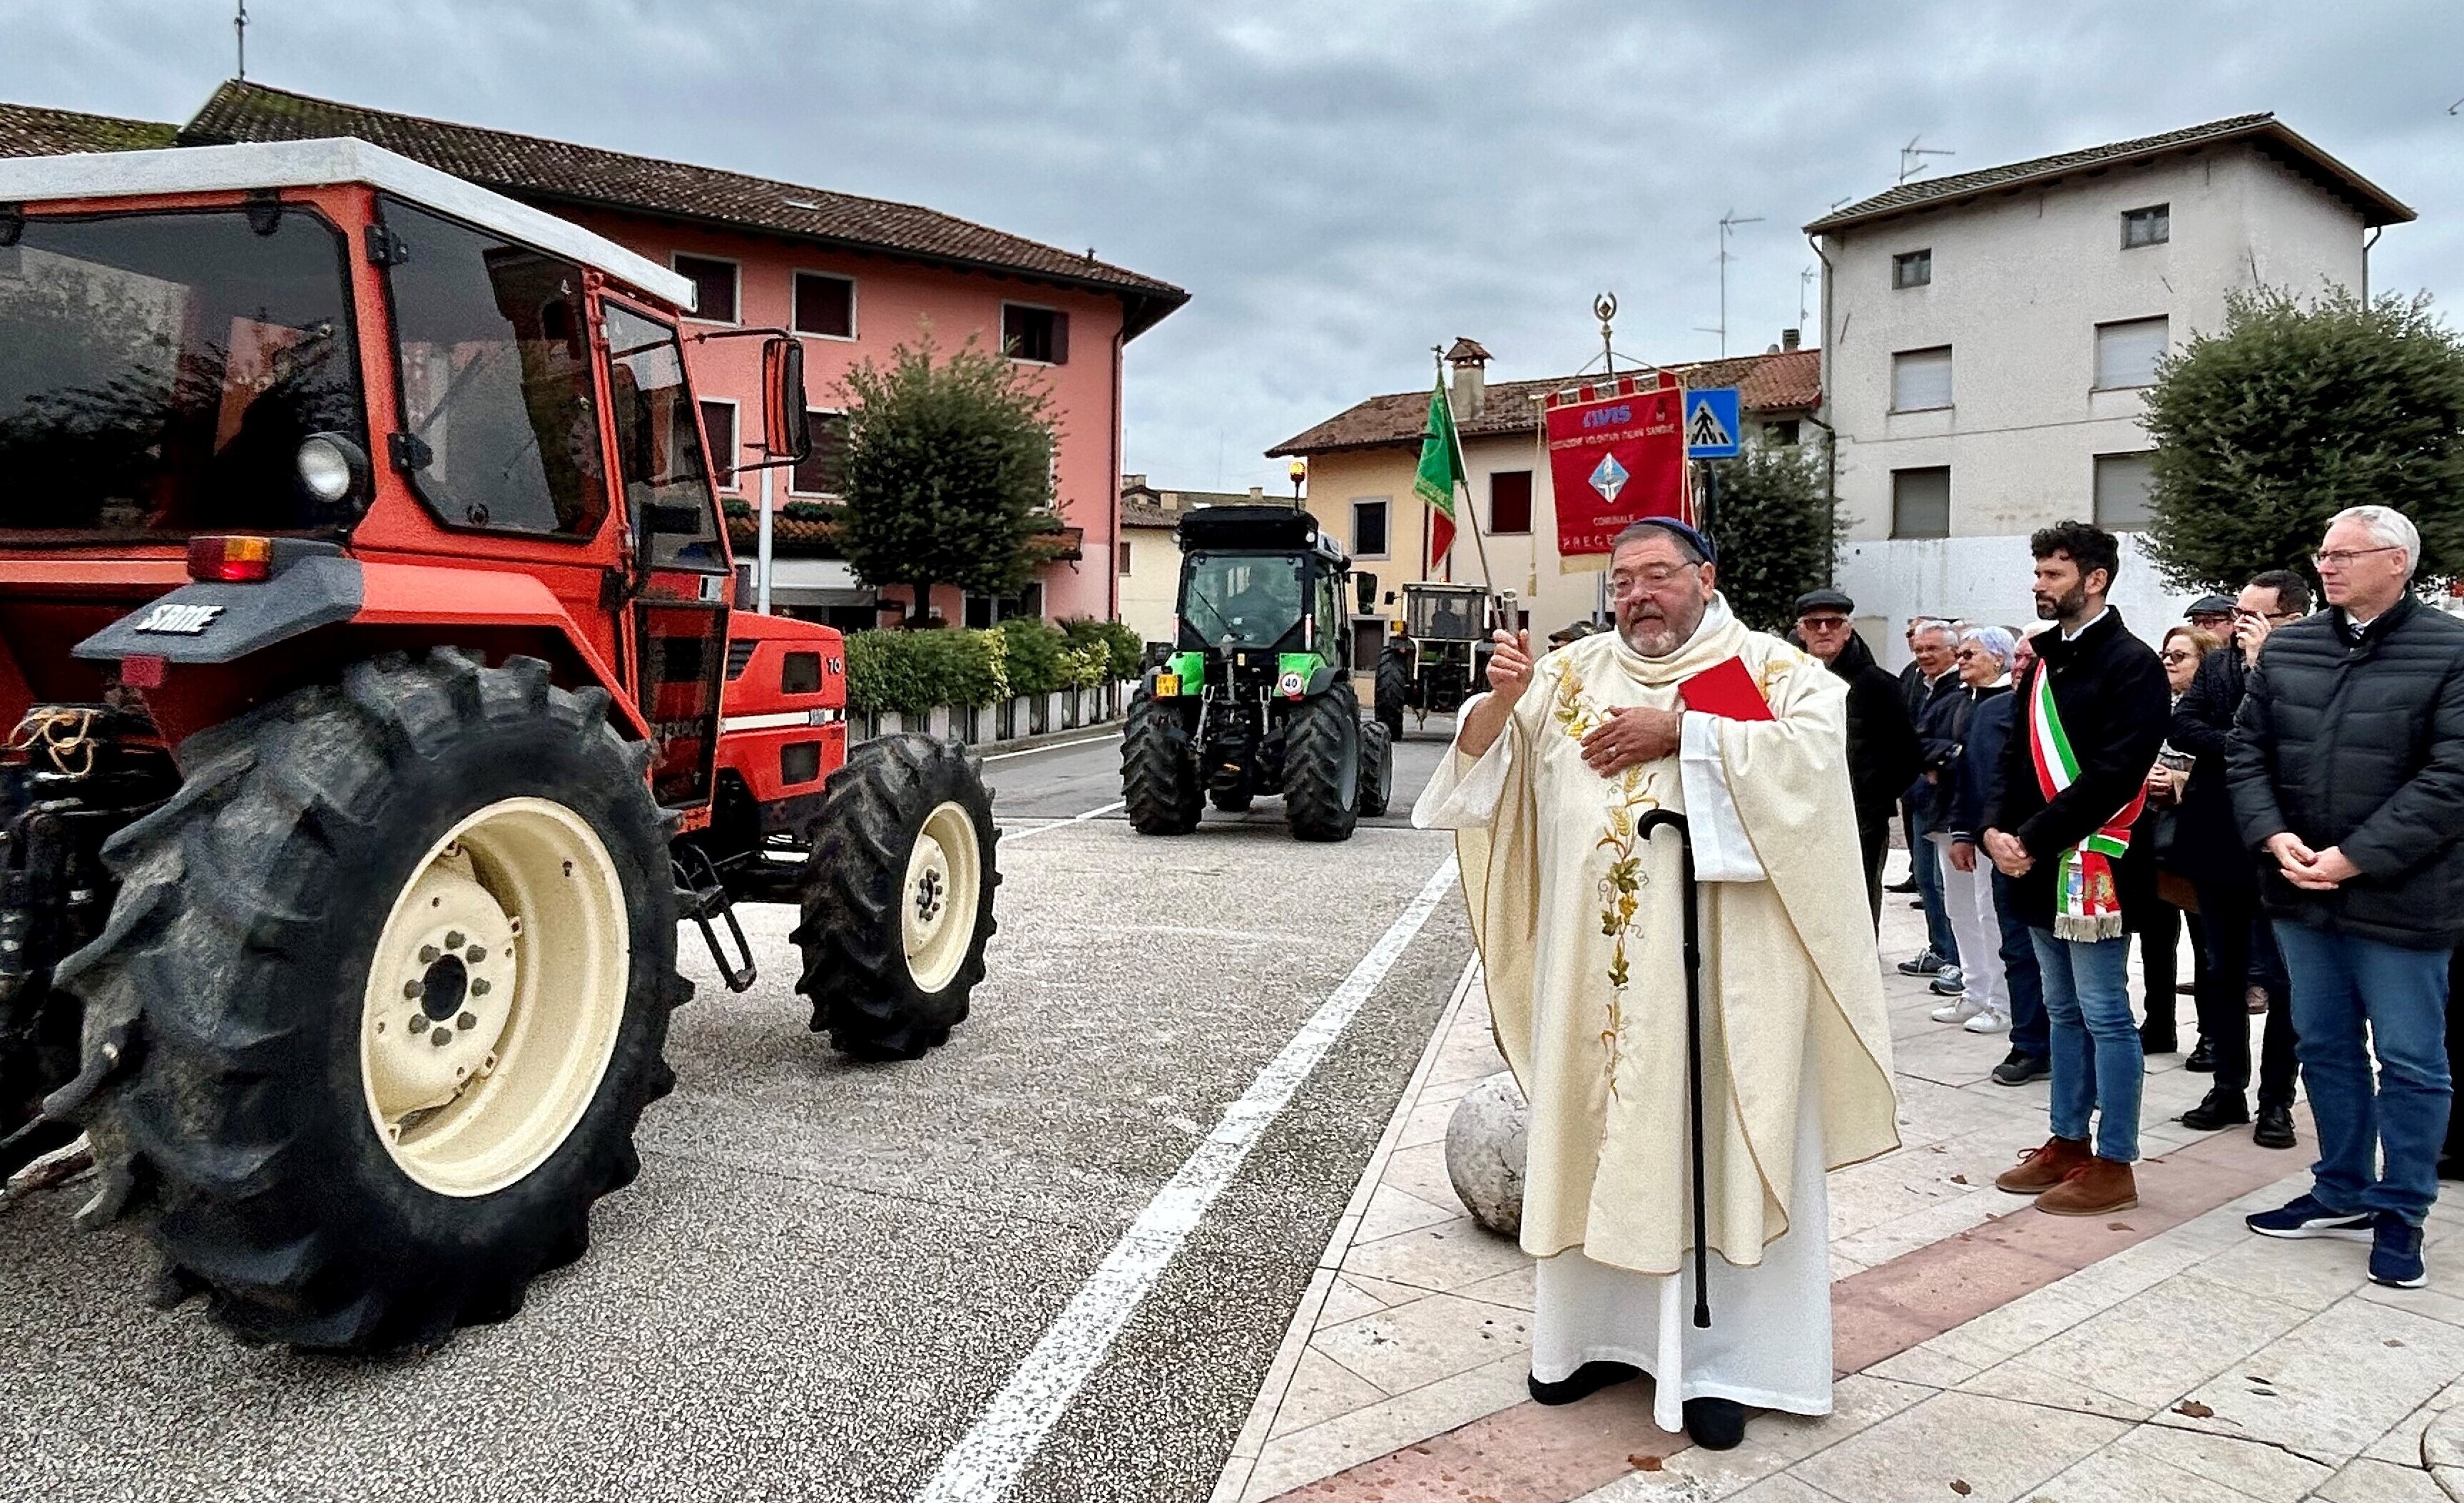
pixel 1580 928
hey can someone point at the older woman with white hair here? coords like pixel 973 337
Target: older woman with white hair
pixel 1983 660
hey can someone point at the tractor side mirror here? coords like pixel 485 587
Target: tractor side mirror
pixel 1365 590
pixel 786 424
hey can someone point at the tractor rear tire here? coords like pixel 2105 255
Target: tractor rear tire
pixel 1322 757
pixel 899 897
pixel 339 1161
pixel 1158 771
pixel 1376 770
pixel 1393 690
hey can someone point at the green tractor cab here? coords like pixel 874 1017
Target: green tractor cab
pixel 1255 696
pixel 1439 654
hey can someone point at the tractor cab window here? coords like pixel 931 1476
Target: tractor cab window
pixel 1445 616
pixel 158 373
pixel 658 438
pixel 501 430
pixel 1327 605
pixel 1240 600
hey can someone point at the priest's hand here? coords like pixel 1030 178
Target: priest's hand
pixel 2010 857
pixel 1510 673
pixel 1630 736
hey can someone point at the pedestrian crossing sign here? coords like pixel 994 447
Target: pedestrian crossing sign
pixel 1711 423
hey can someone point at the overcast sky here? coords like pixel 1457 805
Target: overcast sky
pixel 1340 186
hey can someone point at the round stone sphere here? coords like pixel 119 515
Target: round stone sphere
pixel 1488 1139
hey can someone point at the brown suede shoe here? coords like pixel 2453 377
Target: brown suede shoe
pixel 2096 1188
pixel 2044 1167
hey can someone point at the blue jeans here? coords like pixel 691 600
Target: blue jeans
pixel 2027 1032
pixel 2340 983
pixel 2098 1063
pixel 1920 852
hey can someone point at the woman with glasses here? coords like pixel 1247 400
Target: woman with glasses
pixel 2149 870
pixel 1983 662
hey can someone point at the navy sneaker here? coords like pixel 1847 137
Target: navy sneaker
pixel 2305 1217
pixel 1926 963
pixel 2395 1252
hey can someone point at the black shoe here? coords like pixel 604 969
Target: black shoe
pixel 1583 1382
pixel 1720 1423
pixel 2158 1041
pixel 2021 1068
pixel 2223 1108
pixel 2203 1059
pixel 2275 1129
pixel 1906 884
pixel 1926 963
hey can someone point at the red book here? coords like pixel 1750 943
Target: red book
pixel 1727 690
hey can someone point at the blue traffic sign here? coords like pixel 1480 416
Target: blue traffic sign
pixel 1711 430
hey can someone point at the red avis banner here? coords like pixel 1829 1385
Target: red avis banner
pixel 1616 452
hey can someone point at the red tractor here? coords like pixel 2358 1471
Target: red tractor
pixel 379 712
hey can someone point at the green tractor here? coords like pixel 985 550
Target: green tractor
pixel 1439 654
pixel 1255 696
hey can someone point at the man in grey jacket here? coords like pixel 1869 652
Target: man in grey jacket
pixel 2347 767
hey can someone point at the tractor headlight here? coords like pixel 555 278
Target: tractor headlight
pixel 330 467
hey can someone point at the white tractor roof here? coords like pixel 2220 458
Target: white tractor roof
pixel 320 164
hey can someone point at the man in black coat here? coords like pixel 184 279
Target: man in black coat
pixel 2071 780
pixel 2347 767
pixel 2208 848
pixel 1882 744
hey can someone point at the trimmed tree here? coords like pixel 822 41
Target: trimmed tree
pixel 949 469
pixel 2293 413
pixel 1775 529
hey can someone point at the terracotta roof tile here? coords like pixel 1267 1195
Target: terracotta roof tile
pixel 26 131
pixel 1138 514
pixel 2375 205
pixel 535 168
pixel 1789 381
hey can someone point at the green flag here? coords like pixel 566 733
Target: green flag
pixel 1441 471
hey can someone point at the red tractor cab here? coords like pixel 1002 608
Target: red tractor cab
pixel 375 707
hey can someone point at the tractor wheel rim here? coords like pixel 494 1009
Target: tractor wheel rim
pixel 937 904
pixel 495 997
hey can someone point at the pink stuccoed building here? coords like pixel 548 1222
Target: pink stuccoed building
pixel 853 277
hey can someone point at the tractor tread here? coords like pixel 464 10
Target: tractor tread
pixel 1160 789
pixel 1321 737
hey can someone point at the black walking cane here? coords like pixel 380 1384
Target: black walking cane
pixel 1643 830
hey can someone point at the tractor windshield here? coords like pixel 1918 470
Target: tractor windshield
pixel 1446 616
pixel 1240 599
pixel 159 372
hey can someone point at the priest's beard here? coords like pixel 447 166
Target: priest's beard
pixel 1655 633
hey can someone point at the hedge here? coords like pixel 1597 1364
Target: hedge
pixel 912 671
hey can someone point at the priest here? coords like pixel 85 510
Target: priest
pixel 1580 920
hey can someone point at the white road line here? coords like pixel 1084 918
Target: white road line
pixel 987 1460
pixel 1029 751
pixel 1059 823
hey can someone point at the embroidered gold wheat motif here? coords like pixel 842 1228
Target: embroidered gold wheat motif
pixel 1621 886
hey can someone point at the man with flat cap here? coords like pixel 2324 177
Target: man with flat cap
pixel 1882 754
pixel 2213 614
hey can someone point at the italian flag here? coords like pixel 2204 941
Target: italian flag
pixel 1441 471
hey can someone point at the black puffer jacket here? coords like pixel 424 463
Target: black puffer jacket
pixel 2113 704
pixel 2359 743
pixel 1882 744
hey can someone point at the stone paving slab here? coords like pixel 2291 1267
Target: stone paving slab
pixel 2161 1353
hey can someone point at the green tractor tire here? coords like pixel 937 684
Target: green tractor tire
pixel 1158 771
pixel 1322 759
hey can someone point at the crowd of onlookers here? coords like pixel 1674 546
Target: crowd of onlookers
pixel 2280 783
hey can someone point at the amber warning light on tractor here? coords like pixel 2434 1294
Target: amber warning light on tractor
pixel 231 561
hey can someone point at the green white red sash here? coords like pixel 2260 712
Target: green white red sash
pixel 2086 903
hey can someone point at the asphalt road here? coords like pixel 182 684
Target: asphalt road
pixel 827 1271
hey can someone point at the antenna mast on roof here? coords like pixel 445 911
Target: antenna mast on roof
pixel 1912 157
pixel 239 30
pixel 1728 223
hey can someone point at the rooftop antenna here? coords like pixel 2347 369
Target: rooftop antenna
pixel 240 29
pixel 1728 223
pixel 1912 157
pixel 1804 281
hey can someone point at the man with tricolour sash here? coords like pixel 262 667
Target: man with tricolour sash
pixel 2093 709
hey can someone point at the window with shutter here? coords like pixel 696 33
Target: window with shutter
pixel 1040 335
pixel 1921 502
pixel 2127 352
pixel 1921 379
pixel 2123 483
pixel 714 286
pixel 825 305
pixel 1509 501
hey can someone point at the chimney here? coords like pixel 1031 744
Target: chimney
pixel 1791 339
pixel 1471 378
